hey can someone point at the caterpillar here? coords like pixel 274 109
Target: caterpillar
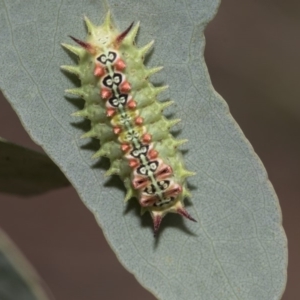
pixel 121 104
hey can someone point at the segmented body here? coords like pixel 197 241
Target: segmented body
pixel 150 176
pixel 127 119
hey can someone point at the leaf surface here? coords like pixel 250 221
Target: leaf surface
pixel 25 172
pixel 18 281
pixel 237 250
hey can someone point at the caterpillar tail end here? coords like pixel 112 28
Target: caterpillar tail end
pixel 178 208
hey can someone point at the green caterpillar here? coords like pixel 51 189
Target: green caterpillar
pixel 126 117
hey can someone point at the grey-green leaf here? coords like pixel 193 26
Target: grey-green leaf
pixel 238 249
pixel 18 281
pixel 25 172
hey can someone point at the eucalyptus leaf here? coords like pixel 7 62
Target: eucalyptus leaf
pixel 26 172
pixel 18 280
pixel 238 248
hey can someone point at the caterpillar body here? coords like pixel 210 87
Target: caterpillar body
pixel 126 117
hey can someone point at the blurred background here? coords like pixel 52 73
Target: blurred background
pixel 252 55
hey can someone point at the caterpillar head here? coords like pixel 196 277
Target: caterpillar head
pixel 102 37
